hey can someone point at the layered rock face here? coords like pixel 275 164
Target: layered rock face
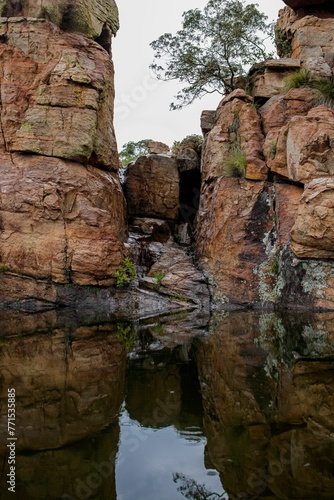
pixel 62 210
pixel 265 238
pixel 307 31
pixel 94 19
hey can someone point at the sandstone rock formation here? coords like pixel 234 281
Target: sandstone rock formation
pixel 152 187
pixel 264 239
pixel 237 126
pixel 62 103
pixel 268 80
pixel 96 18
pixel 62 210
pixel 234 225
pixel 308 34
pixel 51 212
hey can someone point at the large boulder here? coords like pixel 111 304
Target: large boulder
pixel 237 125
pixel 152 187
pixel 310 141
pixel 313 232
pixel 59 220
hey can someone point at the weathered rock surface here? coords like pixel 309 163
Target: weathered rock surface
pixel 152 187
pixel 309 35
pixel 56 94
pixel 313 232
pixel 60 221
pixel 310 141
pixel 233 234
pixel 88 18
pixel 62 209
pixel 157 148
pixel 181 280
pixel 237 125
pixel 276 114
pixel 187 159
pixel 269 80
pixel 208 118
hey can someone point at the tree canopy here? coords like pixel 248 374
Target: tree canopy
pixel 132 150
pixel 211 50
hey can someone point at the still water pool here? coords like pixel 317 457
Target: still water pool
pixel 239 406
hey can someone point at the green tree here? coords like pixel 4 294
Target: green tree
pixel 132 150
pixel 211 50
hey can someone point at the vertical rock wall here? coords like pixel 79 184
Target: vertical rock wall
pixel 266 238
pixel 62 211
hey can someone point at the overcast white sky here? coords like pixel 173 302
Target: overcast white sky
pixel 142 103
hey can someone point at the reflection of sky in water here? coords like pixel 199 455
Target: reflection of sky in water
pixel 148 458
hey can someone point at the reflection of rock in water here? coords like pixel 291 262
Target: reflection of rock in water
pixel 269 424
pixel 68 385
pixel 162 387
pixel 82 470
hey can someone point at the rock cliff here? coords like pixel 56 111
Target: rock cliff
pixel 264 231
pixel 255 205
pixel 60 193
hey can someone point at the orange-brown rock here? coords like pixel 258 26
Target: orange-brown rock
pixel 60 220
pixel 88 18
pixel 157 148
pixel 313 232
pixel 237 124
pixel 181 279
pixel 233 237
pixel 152 187
pixel 310 142
pixel 279 110
pixel 309 36
pixel 276 113
pixel 268 81
pixel 208 118
pixel 56 94
pixel 287 199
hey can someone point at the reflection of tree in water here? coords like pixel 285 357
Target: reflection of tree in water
pixel 189 488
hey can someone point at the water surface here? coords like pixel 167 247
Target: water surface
pixel 239 406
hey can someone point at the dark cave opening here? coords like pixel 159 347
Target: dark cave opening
pixel 190 188
pixel 105 39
